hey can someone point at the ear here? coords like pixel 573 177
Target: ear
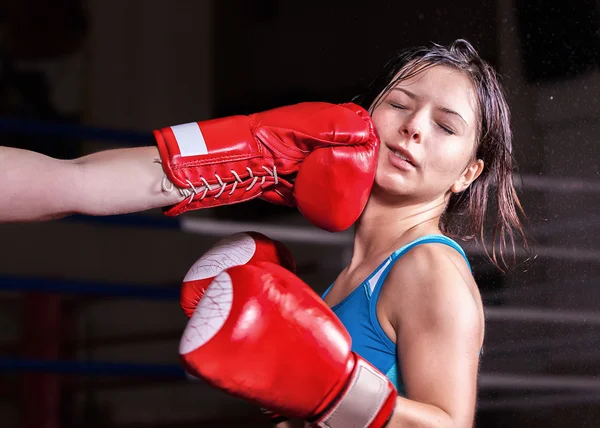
pixel 468 176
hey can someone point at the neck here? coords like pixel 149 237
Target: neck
pixel 384 226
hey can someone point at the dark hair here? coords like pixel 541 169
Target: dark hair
pixel 493 146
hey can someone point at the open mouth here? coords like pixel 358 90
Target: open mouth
pixel 403 157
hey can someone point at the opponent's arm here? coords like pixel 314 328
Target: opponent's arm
pixel 439 329
pixel 284 156
pixel 35 187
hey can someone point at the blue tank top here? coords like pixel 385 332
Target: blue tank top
pixel 358 314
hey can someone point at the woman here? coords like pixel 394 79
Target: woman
pixel 414 310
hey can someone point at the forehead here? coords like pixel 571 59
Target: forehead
pixel 443 86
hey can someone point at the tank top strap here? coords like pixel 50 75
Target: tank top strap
pixel 385 268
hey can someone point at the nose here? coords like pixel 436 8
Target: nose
pixel 410 130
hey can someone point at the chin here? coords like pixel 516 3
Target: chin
pixel 390 185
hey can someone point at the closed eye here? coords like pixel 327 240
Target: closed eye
pixel 398 106
pixel 446 129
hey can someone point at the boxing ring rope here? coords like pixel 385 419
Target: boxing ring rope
pixel 123 291
pixel 543 344
pixel 557 184
pixel 487 380
pixel 93 368
pixel 297 234
pixel 21 126
pixel 547 401
pixel 588 318
pixel 17 284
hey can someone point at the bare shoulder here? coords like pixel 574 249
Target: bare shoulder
pixel 431 284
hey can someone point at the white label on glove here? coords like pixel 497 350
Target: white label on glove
pixel 190 139
pixel 235 250
pixel 209 316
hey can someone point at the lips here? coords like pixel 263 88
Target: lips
pixel 404 154
pixel 404 158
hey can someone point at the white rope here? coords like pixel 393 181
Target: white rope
pixel 310 234
pixel 556 184
pixel 543 315
pixel 542 382
pixel 528 402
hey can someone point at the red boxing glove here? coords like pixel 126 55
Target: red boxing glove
pixel 234 250
pixel 317 156
pixel 263 335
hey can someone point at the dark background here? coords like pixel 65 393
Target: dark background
pixel 137 65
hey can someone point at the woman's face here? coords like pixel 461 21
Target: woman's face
pixel 427 125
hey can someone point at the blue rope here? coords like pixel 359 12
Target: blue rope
pixel 88 288
pixel 74 131
pixel 128 220
pixel 90 368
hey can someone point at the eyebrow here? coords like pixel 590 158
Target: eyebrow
pixel 416 97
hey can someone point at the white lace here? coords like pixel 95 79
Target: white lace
pixel 191 190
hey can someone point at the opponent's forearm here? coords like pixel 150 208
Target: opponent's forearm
pixel 413 414
pixel 35 187
pixel 122 181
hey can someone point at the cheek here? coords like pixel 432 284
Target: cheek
pixel 385 171
pixel 383 121
pixel 449 159
pixel 382 157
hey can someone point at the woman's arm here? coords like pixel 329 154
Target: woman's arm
pixel 292 424
pixel 436 312
pixel 35 187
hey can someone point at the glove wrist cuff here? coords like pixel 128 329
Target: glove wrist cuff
pixel 368 400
